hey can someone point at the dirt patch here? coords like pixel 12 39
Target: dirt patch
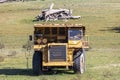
pixel 12 53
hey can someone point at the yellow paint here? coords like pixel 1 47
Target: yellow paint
pixel 38 47
pixel 58 64
pixel 75 44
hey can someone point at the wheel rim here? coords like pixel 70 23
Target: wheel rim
pixel 82 63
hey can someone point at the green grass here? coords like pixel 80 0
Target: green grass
pixel 102 21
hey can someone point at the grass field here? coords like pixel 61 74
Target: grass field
pixel 102 21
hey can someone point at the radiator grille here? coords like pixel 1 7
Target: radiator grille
pixel 57 53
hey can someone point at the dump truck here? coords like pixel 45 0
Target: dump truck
pixel 59 45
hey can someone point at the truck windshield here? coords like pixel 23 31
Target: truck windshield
pixel 75 34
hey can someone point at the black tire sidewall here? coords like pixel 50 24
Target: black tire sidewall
pixel 77 59
pixel 37 63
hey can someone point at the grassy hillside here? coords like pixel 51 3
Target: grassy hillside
pixel 102 21
pixel 98 16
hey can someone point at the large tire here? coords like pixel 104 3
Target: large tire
pixel 79 62
pixel 37 63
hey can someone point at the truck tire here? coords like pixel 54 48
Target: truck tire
pixel 37 63
pixel 79 62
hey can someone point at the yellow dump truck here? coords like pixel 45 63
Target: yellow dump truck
pixel 59 45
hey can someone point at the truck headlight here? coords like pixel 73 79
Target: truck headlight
pixel 39 41
pixel 44 40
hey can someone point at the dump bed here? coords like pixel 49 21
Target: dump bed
pixel 59 25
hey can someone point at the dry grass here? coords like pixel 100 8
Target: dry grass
pixel 101 18
pixel 1 59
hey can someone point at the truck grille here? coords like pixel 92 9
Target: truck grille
pixel 57 53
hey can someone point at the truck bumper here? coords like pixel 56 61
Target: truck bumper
pixel 58 64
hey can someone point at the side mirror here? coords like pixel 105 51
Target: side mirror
pixel 30 37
